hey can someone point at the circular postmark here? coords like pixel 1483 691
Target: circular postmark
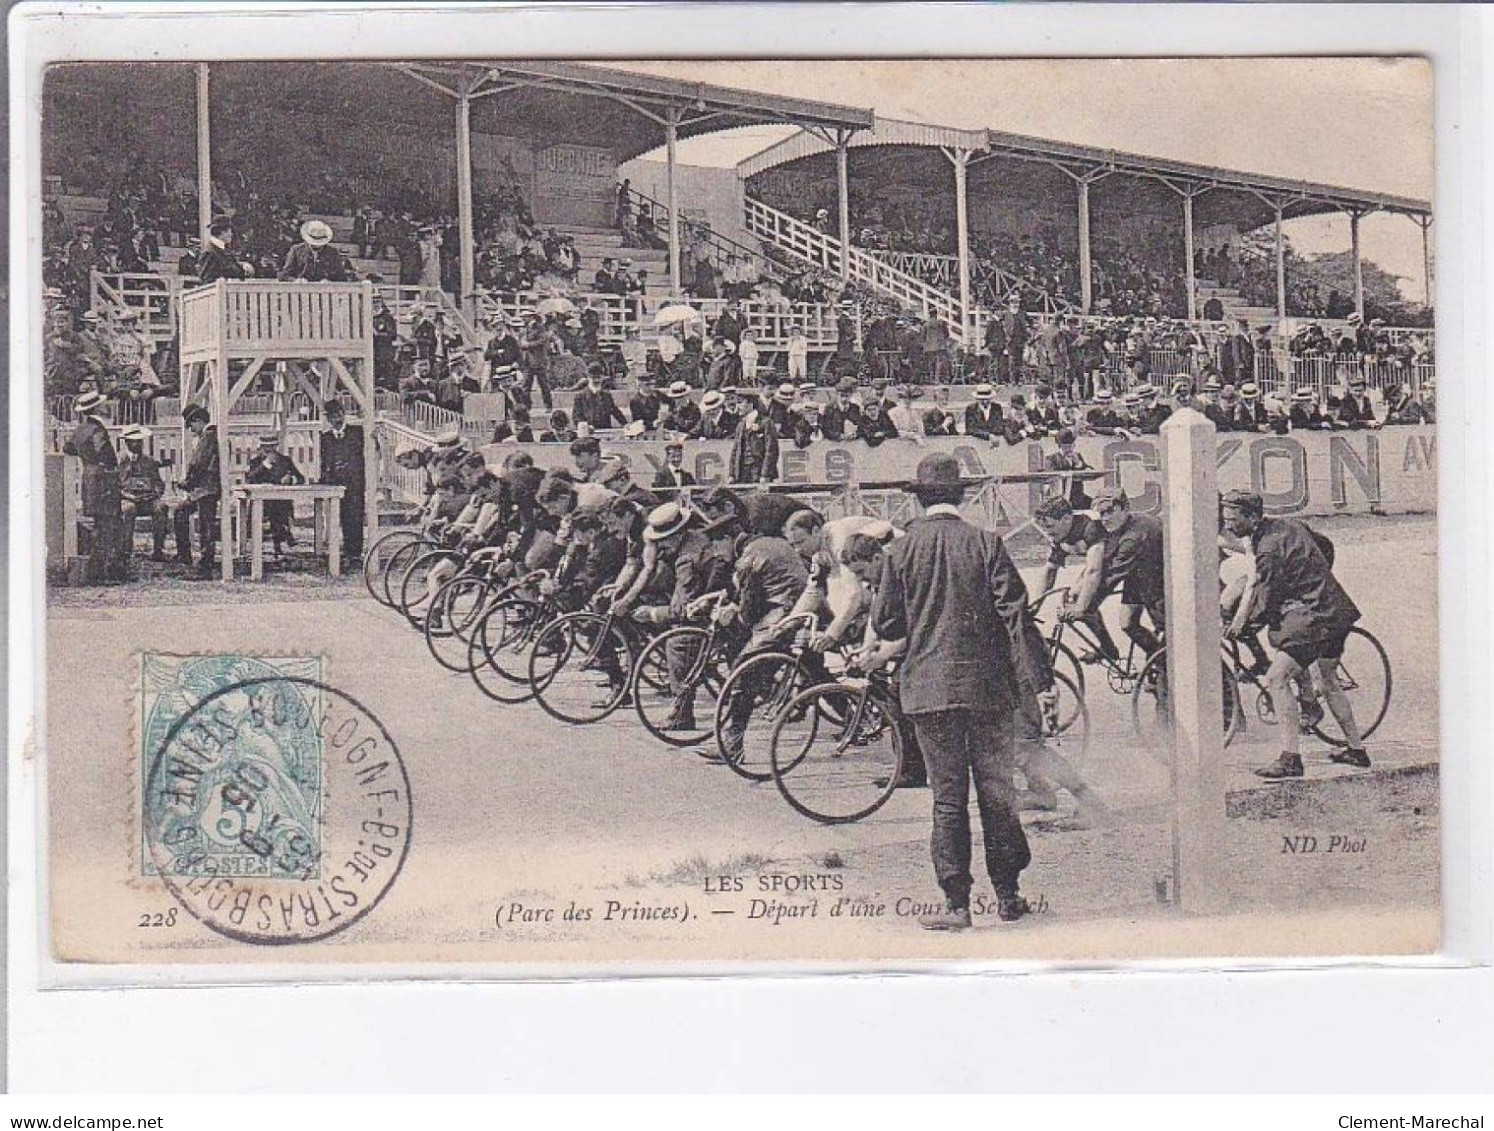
pixel 277 810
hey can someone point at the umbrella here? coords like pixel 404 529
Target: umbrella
pixel 555 305
pixel 675 312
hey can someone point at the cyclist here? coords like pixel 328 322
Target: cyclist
pixel 1131 561
pixel 1294 593
pixel 1077 533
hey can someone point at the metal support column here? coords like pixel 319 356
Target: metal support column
pixel 1086 274
pixel 960 159
pixel 1425 224
pixel 843 185
pixel 204 156
pixel 465 300
pixel 1188 254
pixel 1281 269
pixel 671 140
pixel 1358 265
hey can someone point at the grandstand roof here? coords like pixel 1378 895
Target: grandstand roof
pixel 548 91
pixel 1245 198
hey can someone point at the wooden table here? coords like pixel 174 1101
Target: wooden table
pixel 326 519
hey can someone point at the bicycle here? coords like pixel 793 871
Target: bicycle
pixel 1363 672
pixel 833 755
pixel 569 655
pixel 500 643
pixel 699 654
pixel 458 605
pixel 376 560
pixel 1122 673
pixel 756 692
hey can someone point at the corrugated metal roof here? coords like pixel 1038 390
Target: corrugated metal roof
pixel 886 131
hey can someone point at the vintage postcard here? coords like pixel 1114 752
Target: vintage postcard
pixel 552 517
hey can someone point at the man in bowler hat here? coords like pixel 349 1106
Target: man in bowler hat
pixel 342 465
pixel 951 592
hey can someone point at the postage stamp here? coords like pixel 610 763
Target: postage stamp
pixel 276 809
pixel 170 689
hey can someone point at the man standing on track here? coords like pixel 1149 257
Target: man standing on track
pixel 950 590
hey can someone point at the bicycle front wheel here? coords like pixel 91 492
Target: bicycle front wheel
pixel 755 694
pixel 454 613
pixel 376 561
pixel 833 754
pixel 395 564
pixel 1363 674
pixel 676 681
pixel 417 586
pixel 1151 706
pixel 578 668
pixel 498 653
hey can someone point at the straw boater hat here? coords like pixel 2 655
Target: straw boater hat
pixel 786 393
pixel 1302 394
pixel 1213 385
pixel 677 390
pixel 1250 390
pixel 983 392
pixel 269 439
pixel 712 400
pixel 449 438
pixel 1146 391
pixel 665 521
pixel 88 402
pixel 1131 400
pixel 1355 319
pixel 136 433
pixel 1104 396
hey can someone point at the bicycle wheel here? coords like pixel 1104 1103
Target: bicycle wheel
pixel 498 653
pixel 578 668
pixel 398 562
pixel 1151 712
pixel 836 771
pixel 1068 669
pixel 1068 726
pixel 454 613
pixel 1363 671
pixel 376 561
pixel 755 694
pixel 416 588
pixel 666 713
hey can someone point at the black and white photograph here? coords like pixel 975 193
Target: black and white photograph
pixel 556 516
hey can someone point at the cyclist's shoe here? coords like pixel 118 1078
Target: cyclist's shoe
pixel 1256 669
pixel 1355 757
pixel 1286 766
pixel 679 720
pixel 950 919
pixel 1010 908
pixel 1093 656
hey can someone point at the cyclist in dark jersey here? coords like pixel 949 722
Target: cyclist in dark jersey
pixel 1076 534
pixel 1295 595
pixel 1131 561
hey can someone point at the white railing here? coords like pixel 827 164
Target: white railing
pixel 944 271
pixel 150 296
pixel 813 246
pixel 771 324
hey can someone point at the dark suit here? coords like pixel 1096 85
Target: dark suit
pixel 983 420
pixel 951 591
pixel 596 408
pixel 101 498
pixel 201 484
pixel 1237 359
pixel 667 476
pixel 342 464
pixel 315 265
pixel 218 263
pixel 754 452
pixel 276 467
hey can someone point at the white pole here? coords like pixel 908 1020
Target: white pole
pixel 1281 270
pixel 961 159
pixel 1194 684
pixel 843 185
pixel 671 137
pixel 1188 254
pixel 464 204
pixel 204 156
pixel 1086 280
pixel 1358 265
pixel 1425 223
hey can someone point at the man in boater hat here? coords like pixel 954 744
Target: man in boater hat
pixel 314 259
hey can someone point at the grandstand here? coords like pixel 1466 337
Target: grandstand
pixel 474 192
